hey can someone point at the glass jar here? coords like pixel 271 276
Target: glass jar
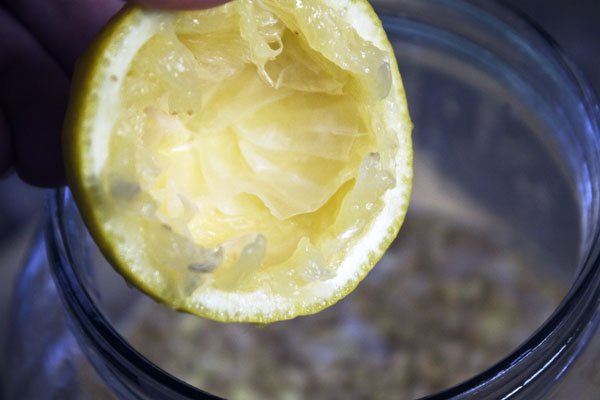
pixel 491 290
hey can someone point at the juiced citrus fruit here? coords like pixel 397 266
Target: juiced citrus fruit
pixel 250 162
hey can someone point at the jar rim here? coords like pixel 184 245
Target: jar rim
pixel 538 357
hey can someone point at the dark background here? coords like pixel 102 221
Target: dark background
pixel 574 25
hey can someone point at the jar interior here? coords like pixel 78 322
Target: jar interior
pixel 487 252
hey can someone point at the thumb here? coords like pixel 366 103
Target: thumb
pixel 181 4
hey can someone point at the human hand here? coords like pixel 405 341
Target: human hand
pixel 39 43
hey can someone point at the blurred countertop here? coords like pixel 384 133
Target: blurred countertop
pixel 573 24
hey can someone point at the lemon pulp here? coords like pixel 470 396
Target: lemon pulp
pixel 254 159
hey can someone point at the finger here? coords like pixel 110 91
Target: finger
pixel 181 4
pixel 64 27
pixel 6 157
pixel 33 95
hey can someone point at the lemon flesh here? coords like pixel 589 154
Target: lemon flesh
pixel 250 162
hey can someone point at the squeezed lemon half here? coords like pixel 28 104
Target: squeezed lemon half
pixel 249 162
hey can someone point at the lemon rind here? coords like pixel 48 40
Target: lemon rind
pixel 97 69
